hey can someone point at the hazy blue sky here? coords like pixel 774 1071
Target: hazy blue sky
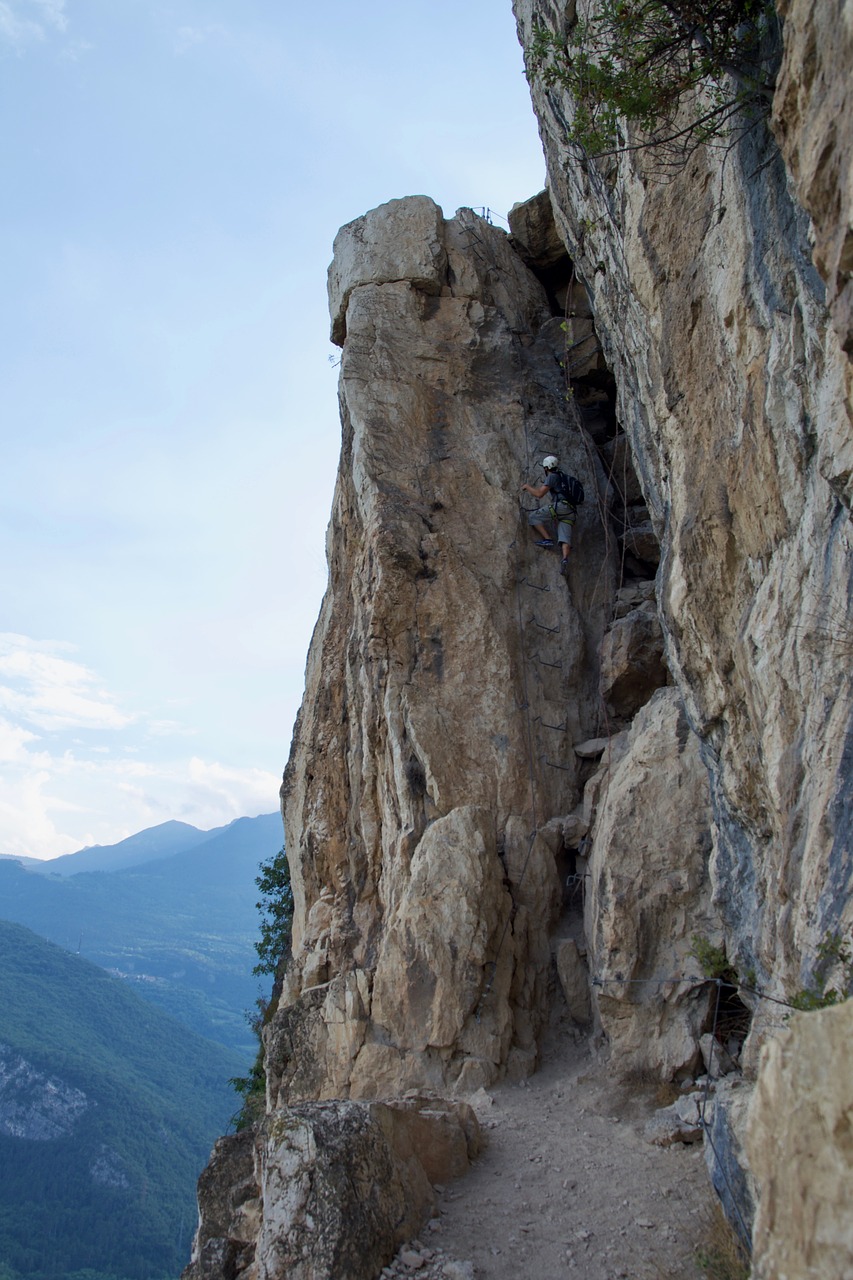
pixel 173 175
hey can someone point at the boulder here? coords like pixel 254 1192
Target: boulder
pixel 534 232
pixel 649 892
pixel 716 1057
pixel 230 1209
pixel 337 1201
pixel 633 665
pixel 639 537
pixel 680 1122
pixel 324 1190
pixel 401 240
pixel 800 1145
pixel 632 595
pixel 725 1154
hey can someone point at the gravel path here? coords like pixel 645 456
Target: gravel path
pixel 567 1186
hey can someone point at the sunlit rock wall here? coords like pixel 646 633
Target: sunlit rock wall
pixel 451 672
pixel 801 1149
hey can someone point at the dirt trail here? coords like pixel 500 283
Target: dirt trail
pixel 568 1185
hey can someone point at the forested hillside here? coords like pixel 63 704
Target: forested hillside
pixel 181 929
pixel 108 1110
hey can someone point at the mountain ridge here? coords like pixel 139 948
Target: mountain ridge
pixel 182 928
pixel 148 845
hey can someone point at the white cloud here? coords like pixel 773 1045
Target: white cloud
pixel 13 743
pixel 238 790
pixel 42 688
pixel 78 770
pixel 74 49
pixel 52 12
pixel 16 30
pixel 25 21
pixel 169 729
pixel 57 803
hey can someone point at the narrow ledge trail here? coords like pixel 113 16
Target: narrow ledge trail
pixel 567 1185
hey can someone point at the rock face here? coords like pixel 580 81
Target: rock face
pixel 650 892
pixel 801 1149
pixel 734 391
pixel 813 121
pixel 484 747
pixel 733 384
pixel 33 1105
pixel 450 673
pixel 324 1190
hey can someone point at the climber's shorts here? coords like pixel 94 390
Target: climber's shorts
pixel 564 521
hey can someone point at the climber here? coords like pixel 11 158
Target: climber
pixel 566 493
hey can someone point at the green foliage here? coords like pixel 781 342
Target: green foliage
pixel 276 908
pixel 113 1197
pixel 834 952
pixel 642 61
pixel 273 948
pixel 252 1088
pixel 711 959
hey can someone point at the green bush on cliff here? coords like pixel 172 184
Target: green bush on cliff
pixel 834 952
pixel 641 61
pixel 276 908
pixel 273 948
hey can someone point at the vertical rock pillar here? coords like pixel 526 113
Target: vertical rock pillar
pixel 420 771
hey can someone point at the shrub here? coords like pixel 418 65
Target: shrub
pixel 711 959
pixel 834 952
pixel 641 61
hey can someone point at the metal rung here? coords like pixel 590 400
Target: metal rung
pixel 561 728
pixel 552 630
pixel 527 583
pixel 556 665
pixel 565 767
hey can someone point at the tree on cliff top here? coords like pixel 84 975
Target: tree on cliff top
pixel 644 61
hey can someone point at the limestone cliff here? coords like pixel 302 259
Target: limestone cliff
pixel 493 763
pixel 725 316
pixel 420 771
pixel 734 391
pixel 451 676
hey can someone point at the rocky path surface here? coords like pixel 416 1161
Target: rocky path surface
pixel 567 1186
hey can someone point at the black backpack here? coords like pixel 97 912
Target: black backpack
pixel 569 489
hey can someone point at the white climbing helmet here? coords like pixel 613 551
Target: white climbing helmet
pixel 550 463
